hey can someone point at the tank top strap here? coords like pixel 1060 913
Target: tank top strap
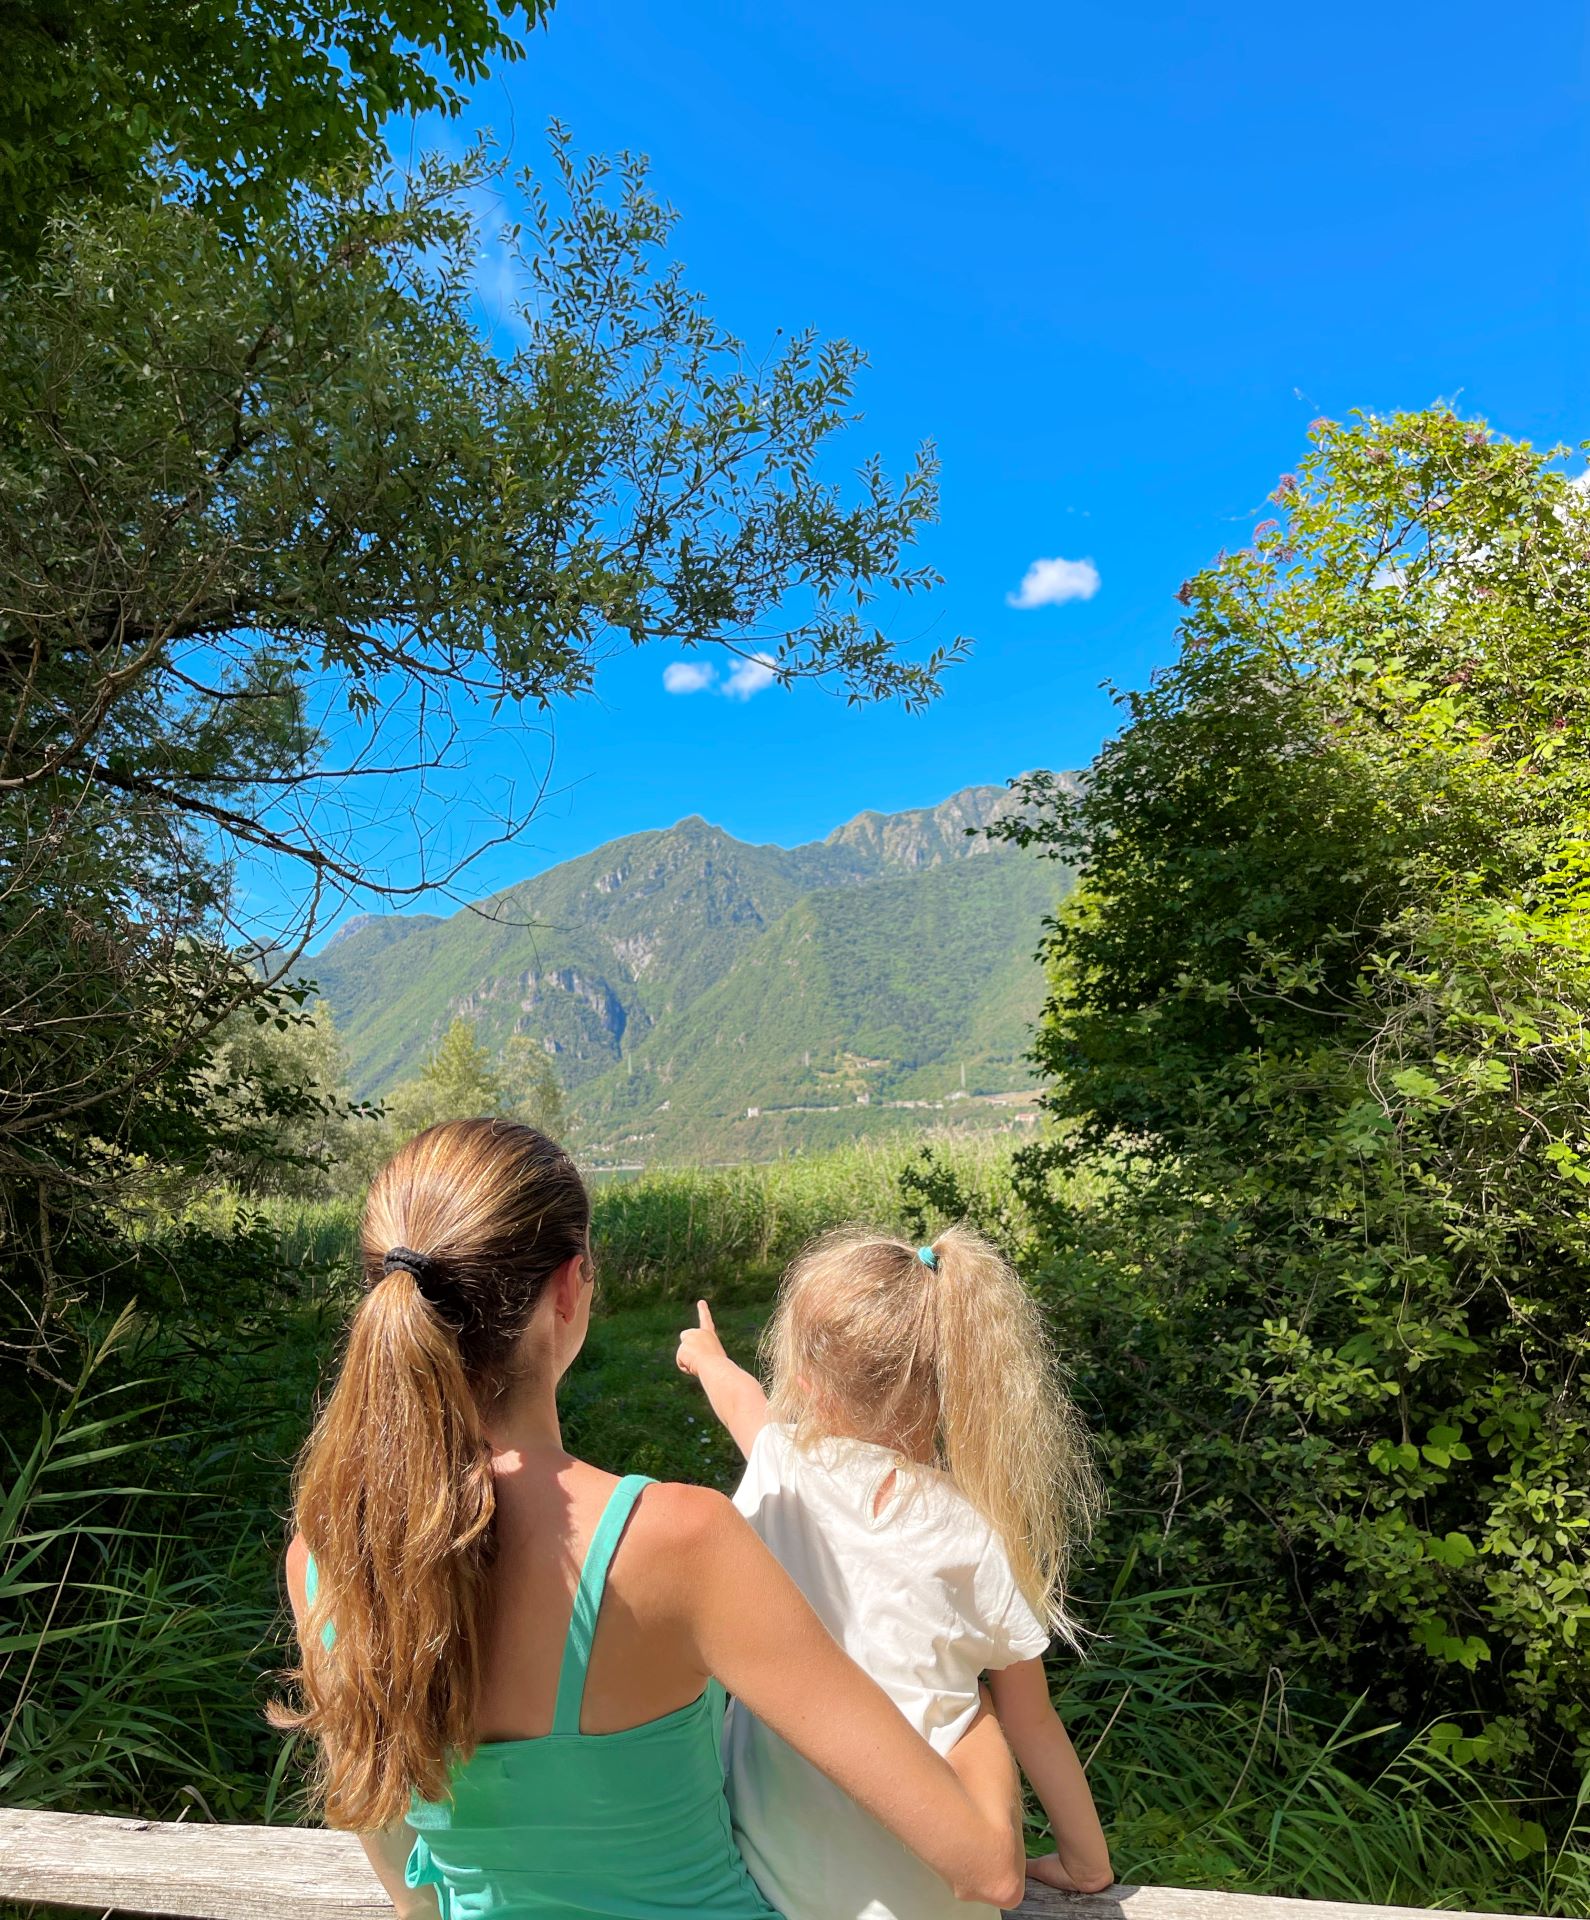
pixel 328 1633
pixel 588 1600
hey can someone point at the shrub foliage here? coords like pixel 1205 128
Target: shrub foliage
pixel 1318 1022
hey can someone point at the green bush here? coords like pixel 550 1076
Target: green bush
pixel 1318 1024
pixel 1209 1776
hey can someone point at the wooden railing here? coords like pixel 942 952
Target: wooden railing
pixel 301 1873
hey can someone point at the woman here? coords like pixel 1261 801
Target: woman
pixel 519 1656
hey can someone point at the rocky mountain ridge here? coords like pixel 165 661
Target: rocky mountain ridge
pixel 625 964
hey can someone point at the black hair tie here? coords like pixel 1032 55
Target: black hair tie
pixel 426 1273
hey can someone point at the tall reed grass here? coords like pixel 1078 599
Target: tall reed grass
pixel 671 1226
pixel 135 1624
pixel 1207 1777
pixel 671 1229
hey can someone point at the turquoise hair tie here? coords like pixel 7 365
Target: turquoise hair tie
pixel 928 1258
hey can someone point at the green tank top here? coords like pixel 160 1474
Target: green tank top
pixel 625 1826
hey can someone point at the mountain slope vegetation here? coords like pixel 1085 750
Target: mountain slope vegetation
pixel 887 997
pixel 678 978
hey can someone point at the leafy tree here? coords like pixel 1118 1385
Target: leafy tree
pixel 1319 1020
pixel 459 1081
pixel 249 98
pixel 273 518
pixel 530 1086
pixel 285 1121
pixel 236 487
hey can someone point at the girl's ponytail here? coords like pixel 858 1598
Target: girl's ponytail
pixel 1009 1436
pixel 941 1354
pixel 394 1495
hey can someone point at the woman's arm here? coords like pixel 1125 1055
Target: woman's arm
pixel 732 1393
pixel 388 1854
pixel 1080 1862
pixel 753 1629
pixel 388 1851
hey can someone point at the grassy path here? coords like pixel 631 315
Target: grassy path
pixel 628 1408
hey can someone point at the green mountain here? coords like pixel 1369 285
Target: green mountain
pixel 701 996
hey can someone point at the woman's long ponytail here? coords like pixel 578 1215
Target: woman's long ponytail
pixel 394 1493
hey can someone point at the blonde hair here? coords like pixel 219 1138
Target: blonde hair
pixel 949 1364
pixel 462 1231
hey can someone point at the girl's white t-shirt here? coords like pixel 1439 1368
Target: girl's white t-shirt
pixel 917 1589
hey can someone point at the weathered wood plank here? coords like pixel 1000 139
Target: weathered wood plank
pixel 200 1872
pixel 303 1873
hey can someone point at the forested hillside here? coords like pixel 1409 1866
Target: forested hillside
pixel 679 979
pixel 859 1009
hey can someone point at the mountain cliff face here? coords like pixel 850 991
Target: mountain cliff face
pixel 680 977
pixel 924 836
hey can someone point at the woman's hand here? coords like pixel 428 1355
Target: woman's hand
pixel 387 1852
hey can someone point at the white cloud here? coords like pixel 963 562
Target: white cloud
pixel 688 676
pixel 744 679
pixel 748 677
pixel 1051 583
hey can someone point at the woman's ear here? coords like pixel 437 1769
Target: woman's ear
pixel 568 1283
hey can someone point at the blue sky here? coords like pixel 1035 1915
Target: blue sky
pixel 1113 260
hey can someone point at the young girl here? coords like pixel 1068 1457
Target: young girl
pixel 920 1473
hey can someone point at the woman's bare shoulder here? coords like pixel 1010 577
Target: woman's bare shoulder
pixel 685 1537
pixel 672 1514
